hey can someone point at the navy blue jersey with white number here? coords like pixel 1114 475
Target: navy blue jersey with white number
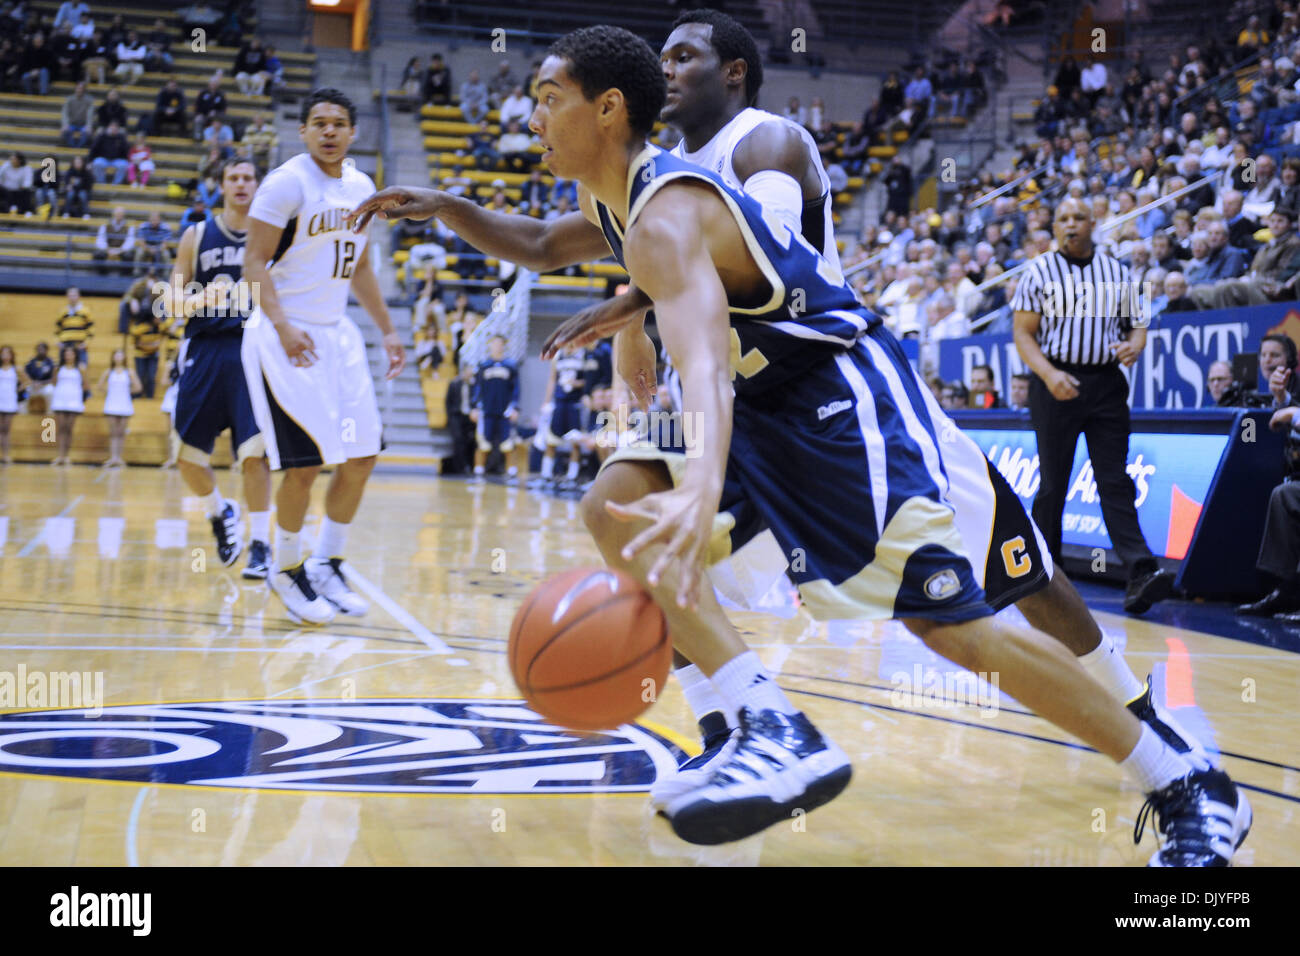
pixel 810 312
pixel 496 387
pixel 570 378
pixel 218 257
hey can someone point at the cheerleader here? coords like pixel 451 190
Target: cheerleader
pixel 119 384
pixel 11 381
pixel 68 402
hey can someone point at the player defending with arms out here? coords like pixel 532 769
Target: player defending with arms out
pixel 713 73
pixel 863 496
pixel 212 394
pixel 305 360
pixel 496 408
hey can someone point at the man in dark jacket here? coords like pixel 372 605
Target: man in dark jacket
pixel 169 108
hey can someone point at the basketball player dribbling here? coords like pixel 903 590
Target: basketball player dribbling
pixel 756 372
pixel 713 70
pixel 211 392
pixel 305 360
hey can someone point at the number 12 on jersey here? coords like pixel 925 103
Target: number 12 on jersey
pixel 345 254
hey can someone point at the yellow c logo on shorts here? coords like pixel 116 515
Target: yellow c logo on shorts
pixel 1015 558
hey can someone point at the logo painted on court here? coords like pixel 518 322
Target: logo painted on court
pixel 369 746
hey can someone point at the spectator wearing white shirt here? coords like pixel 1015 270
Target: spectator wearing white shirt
pixel 796 113
pixel 83 29
pixel 943 322
pixel 816 113
pixel 514 149
pixel 1259 201
pixel 130 59
pixel 1218 156
pixel 516 108
pixel 1093 80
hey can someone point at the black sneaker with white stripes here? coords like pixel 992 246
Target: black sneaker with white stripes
pixel 1200 820
pixel 781 764
pixel 259 561
pixel 225 527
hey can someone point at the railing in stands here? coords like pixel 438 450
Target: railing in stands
pixel 1104 227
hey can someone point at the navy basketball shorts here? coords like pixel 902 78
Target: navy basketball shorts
pixel 212 395
pixel 494 431
pixel 566 418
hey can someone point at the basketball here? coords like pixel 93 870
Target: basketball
pixel 589 649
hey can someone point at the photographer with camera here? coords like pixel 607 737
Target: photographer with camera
pixel 1277 363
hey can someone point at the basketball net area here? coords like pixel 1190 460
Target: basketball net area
pixel 509 317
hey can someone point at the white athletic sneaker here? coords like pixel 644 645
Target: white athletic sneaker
pixel 780 764
pixel 719 745
pixel 327 581
pixel 301 601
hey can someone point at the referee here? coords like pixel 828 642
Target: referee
pixel 1073 328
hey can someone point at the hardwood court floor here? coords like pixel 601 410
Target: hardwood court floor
pixel 393 739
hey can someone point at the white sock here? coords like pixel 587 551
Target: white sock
pixel 548 467
pixel 333 536
pixel 478 469
pixel 701 695
pixel 1108 667
pixel 574 465
pixel 1153 763
pixel 744 682
pixel 512 471
pixel 214 502
pixel 288 548
pixel 259 525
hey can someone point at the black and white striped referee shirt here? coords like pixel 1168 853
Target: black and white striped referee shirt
pixel 1087 305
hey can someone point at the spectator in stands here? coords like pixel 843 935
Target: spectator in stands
pixel 412 81
pixel 262 137
pixel 169 109
pixel 516 108
pixel 16 193
pixel 499 201
pixel 75 117
pixel 154 243
pixel 116 31
pixel 839 179
pixel 1289 192
pixel 274 69
pixel 37 61
pixel 437 82
pixel 954 397
pixel 130 59
pixel 1241 228
pixel 197 213
pixel 109 148
pixel 112 110
pixel 474 98
pixel 115 244
pixel 1176 299
pixel 140 164
pixel 461 321
pixel 794 112
pixel 535 193
pixel 1049 113
pixel 1163 255
pixel 1217 381
pixel 982 392
pixel 209 103
pixel 1268 186
pixel 136 319
pixel 219 134
pixel 1217 157
pixel 898 184
pixel 96 61
pixel 502 84
pixel 73 325
pixel 919 92
pixel 158 48
pixel 856 144
pixel 482 147
pixel 68 53
pixel 1068 77
pixel 250 68
pixel 1092 80
pixel 1273 273
pixel 1251 38
pixel 891 95
pixel 1225 261
pixel 75 189
pixel 70 14
pixel 566 188
pixel 514 147
pixel 1018 397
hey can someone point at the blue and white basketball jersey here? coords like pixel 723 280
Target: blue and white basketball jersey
pixel 570 377
pixel 496 387
pixel 811 313
pixel 218 257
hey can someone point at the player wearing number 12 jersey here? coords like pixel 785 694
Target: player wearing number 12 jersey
pixel 305 360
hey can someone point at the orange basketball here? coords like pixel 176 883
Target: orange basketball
pixel 589 649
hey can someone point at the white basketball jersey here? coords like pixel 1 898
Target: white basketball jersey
pixel 716 156
pixel 318 254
